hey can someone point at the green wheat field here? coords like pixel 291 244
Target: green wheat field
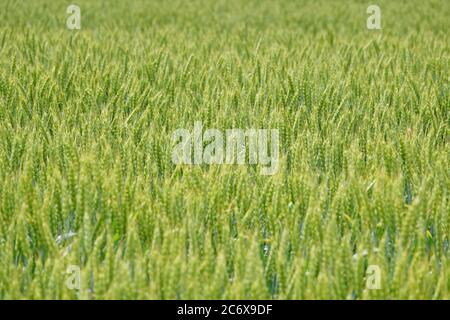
pixel 88 187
